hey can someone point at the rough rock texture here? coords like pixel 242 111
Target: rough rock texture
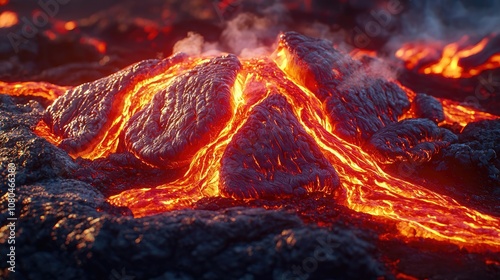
pixel 475 156
pixel 84 111
pixel 428 107
pixel 415 140
pixel 35 158
pixel 66 229
pixel 185 116
pixel 75 241
pixel 273 156
pixel 358 104
pixel 119 172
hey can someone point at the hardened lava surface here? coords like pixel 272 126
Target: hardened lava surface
pixel 185 116
pixel 84 112
pixel 415 140
pixel 272 155
pixel 200 142
pixel 358 104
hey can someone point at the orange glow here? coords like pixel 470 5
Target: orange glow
pixel 412 55
pixel 70 25
pixel 492 262
pixel 98 44
pixel 37 89
pixel 50 34
pixel 403 276
pixel 359 53
pixel 8 19
pixel 202 177
pixel 365 187
pixel 43 130
pixel 454 112
pixel 417 211
pixel 125 107
pixel 448 64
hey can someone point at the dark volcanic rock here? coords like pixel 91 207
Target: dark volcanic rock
pixel 482 135
pixel 468 162
pixel 185 116
pixel 415 140
pixel 359 104
pixel 74 241
pixel 273 156
pixel 15 114
pixel 84 111
pixel 34 157
pixel 119 172
pixel 475 156
pixel 428 107
pixel 66 229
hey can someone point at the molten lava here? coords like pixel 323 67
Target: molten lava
pixel 8 19
pixel 449 63
pixel 285 79
pixel 43 90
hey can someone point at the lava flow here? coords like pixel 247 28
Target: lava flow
pixel 264 128
pixel 457 60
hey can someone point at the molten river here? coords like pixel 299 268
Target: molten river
pixel 365 187
pixel 426 59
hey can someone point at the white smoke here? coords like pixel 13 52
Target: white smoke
pixel 192 45
pixel 439 20
pixel 246 35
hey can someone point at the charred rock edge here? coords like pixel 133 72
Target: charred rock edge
pixel 82 112
pixel 358 104
pixel 282 160
pixel 415 140
pixel 428 107
pixel 81 236
pixel 475 155
pixel 197 244
pixel 184 116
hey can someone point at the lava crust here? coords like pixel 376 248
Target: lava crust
pixel 358 104
pixel 83 113
pixel 414 140
pixel 185 116
pixel 273 156
pixel 428 107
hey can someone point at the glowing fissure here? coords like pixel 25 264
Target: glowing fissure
pixel 43 90
pixel 202 177
pixel 365 187
pixel 419 211
pixel 427 60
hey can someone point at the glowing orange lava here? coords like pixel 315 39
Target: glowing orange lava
pixel 447 63
pixel 37 89
pixel 98 44
pixel 366 187
pixel 8 19
pixel 129 103
pixel 418 211
pixel 455 113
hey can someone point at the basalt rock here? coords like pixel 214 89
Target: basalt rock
pixel 185 116
pixel 74 240
pixel 273 156
pixel 416 140
pixel 428 107
pixel 476 155
pixel 82 113
pixel 357 103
